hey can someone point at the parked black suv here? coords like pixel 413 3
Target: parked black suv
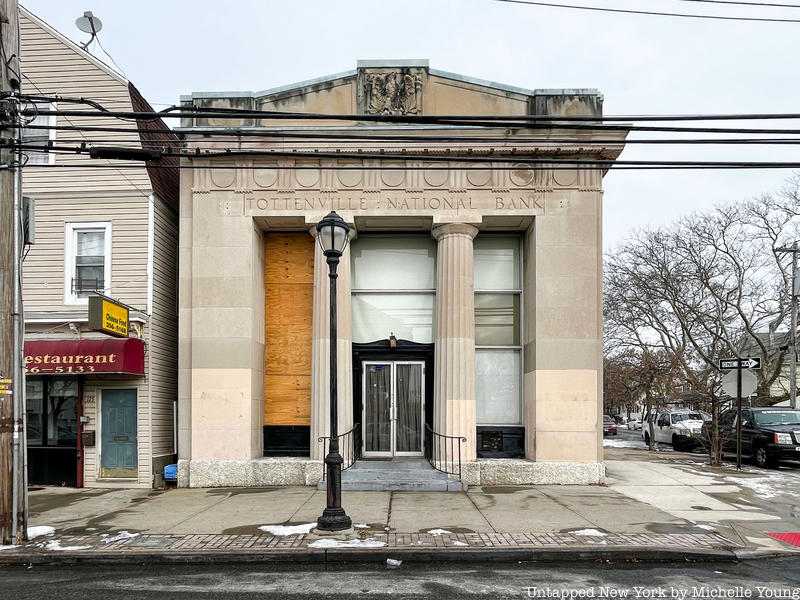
pixel 769 434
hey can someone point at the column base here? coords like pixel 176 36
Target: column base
pixel 334 520
pixel 322 534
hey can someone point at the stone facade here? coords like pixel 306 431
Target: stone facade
pixel 381 183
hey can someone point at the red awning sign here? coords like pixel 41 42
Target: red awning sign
pixel 73 357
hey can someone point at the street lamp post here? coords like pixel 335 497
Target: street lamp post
pixel 332 233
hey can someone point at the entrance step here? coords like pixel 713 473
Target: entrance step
pixel 397 475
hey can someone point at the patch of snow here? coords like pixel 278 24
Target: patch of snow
pixel 393 562
pixel 122 535
pixel 360 525
pixel 457 543
pixel 623 444
pixel 706 527
pixel 91 529
pixel 346 544
pixel 7 547
pixel 439 531
pixel 288 529
pixel 56 545
pixel 589 532
pixel 763 487
pixel 40 530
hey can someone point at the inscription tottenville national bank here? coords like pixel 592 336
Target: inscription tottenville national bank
pixel 384 204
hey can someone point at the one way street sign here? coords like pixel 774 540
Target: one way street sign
pixel 726 364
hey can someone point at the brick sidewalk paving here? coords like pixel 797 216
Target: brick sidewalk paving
pixel 245 543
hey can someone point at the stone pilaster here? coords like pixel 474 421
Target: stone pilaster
pixel 563 331
pixel 454 370
pixel 320 348
pixel 222 336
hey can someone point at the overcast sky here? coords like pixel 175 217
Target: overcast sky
pixel 642 65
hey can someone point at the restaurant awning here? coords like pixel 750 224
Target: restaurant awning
pixel 86 357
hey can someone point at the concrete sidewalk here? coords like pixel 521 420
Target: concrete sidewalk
pixel 650 510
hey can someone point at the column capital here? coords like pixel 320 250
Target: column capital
pixel 440 231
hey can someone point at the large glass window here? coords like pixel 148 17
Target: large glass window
pixel 52 411
pixel 498 362
pixel 394 287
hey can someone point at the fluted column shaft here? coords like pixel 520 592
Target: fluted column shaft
pixel 320 350
pixel 454 364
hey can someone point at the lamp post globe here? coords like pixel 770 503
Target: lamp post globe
pixel 333 234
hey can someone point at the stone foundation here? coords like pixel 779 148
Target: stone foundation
pixel 261 472
pixel 505 471
pixel 265 472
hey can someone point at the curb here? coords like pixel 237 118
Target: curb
pixel 410 555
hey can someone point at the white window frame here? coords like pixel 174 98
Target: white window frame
pixel 49 120
pixel 71 247
pixel 519 348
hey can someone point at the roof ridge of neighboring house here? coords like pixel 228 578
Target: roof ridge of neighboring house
pixel 164 182
pixel 73 46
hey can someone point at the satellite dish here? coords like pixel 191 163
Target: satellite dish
pixel 88 23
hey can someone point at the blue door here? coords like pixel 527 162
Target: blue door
pixel 118 452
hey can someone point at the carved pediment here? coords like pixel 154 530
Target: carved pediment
pixel 393 91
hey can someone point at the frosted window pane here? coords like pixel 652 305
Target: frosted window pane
pixel 409 316
pixel 393 263
pixel 496 320
pixel 496 263
pixel 497 387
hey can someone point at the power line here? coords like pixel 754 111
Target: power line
pixel 516 142
pixel 650 13
pixel 497 162
pixel 615 167
pixel 175 112
pixel 100 108
pixel 740 3
pixel 251 131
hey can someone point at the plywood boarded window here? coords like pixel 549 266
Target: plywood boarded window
pixel 289 292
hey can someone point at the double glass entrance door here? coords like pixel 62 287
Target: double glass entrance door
pixel 393 408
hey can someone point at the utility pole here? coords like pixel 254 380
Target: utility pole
pixel 10 417
pixel 795 294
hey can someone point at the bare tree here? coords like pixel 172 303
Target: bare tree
pixel 704 288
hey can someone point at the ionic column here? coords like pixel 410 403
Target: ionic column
pixel 454 370
pixel 320 349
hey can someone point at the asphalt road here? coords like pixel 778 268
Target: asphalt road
pixel 635 436
pixel 766 578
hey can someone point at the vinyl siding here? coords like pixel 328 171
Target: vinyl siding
pixel 43 268
pixel 164 328
pixel 50 66
pixel 118 195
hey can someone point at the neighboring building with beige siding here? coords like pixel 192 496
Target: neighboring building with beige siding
pixel 106 227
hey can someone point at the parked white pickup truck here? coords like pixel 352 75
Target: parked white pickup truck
pixel 681 428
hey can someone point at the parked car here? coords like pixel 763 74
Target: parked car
pixel 609 426
pixel 769 434
pixel 635 424
pixel 681 428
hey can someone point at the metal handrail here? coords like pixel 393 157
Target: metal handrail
pixel 443 450
pixel 349 447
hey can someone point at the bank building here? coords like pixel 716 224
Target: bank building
pixel 469 296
